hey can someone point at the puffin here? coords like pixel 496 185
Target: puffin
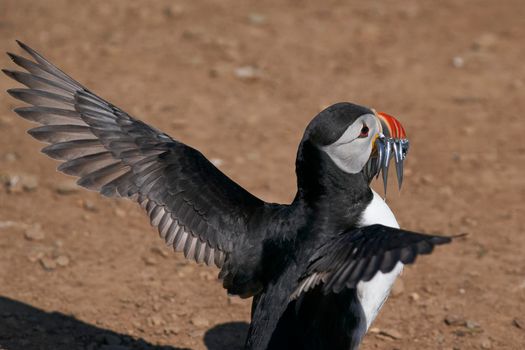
pixel 319 269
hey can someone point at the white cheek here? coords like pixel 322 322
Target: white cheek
pixel 350 153
pixel 350 157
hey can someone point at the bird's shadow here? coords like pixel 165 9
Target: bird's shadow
pixel 226 336
pixel 24 327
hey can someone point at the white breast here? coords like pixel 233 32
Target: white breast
pixel 373 294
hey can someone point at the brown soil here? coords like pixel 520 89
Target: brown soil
pixel 81 272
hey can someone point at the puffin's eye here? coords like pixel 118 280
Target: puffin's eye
pixel 364 132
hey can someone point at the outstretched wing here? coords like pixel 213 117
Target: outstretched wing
pixel 359 254
pixel 196 208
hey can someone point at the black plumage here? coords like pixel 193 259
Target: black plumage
pixel 300 261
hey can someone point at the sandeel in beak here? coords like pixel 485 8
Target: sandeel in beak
pixel 390 143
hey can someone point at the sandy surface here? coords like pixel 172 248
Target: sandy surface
pixel 81 272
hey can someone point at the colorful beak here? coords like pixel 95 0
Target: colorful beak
pixel 390 143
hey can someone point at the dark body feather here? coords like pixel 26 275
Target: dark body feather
pixel 301 261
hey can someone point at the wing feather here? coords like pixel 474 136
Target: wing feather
pixel 195 207
pixel 358 255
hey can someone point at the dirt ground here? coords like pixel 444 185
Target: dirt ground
pixel 239 80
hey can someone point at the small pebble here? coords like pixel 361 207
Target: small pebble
pixel 89 205
pixel 486 343
pixel 66 187
pixel 173 11
pixel 247 73
pixel 256 18
pixel 29 183
pixel 414 296
pixel 458 62
pixel 121 213
pixel 519 323
pixel 150 261
pixel 485 42
pixel 12 183
pixel 196 334
pixel 48 264
pixel 427 179
pixel 471 324
pixel 35 256
pixel 199 321
pixel 171 330
pixel 391 333
pixel 217 162
pixel 34 233
pixel 10 157
pixel 160 251
pixel 62 260
pixel 155 320
pixel 454 320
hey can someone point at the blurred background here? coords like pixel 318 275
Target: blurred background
pixel 240 80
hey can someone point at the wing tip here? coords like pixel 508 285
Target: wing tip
pixel 21 44
pixel 26 48
pixel 12 56
pixel 10 73
pixel 16 92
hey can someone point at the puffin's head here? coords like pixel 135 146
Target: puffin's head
pixel 358 139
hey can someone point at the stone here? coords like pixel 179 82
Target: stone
pixel 155 320
pixel 29 183
pixel 35 256
pixel 89 205
pixel 48 264
pixel 173 11
pixel 485 41
pixel 199 321
pixel 486 343
pixel 472 325
pixel 34 233
pixel 66 188
pixel 12 183
pixel 10 157
pixel 196 334
pixel 454 320
pixel 150 261
pixel 247 73
pixel 391 333
pixel 171 330
pixel 427 179
pixel 121 213
pixel 160 251
pixel 62 261
pixel 256 18
pixel 518 323
pixel 217 162
pixel 458 62
pixel 414 296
